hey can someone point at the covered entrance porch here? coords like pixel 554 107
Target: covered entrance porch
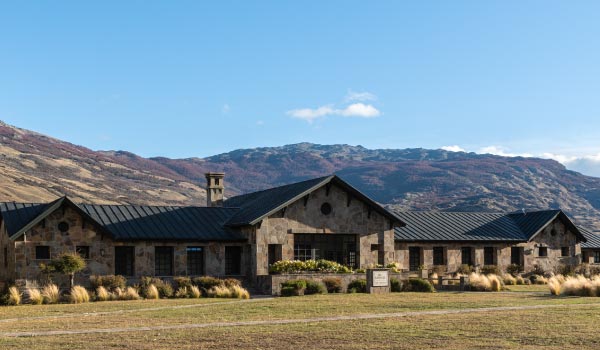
pixel 341 248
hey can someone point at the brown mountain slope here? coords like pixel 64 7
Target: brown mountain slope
pixel 35 167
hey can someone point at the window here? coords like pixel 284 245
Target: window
pixel 275 252
pixel 195 261
pixel 438 256
pixel 163 261
pixel 326 209
pixel 83 251
pixel 42 252
pixel 488 256
pixel 543 251
pixel 597 257
pixel 233 260
pixel 414 258
pixel 465 256
pixel 516 255
pixel 564 251
pixel 125 261
pixel 340 248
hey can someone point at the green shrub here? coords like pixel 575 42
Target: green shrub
pixel 182 282
pixel 513 269
pixel 299 286
pixel 296 266
pixel 110 282
pixel 357 286
pixel 333 284
pixel 395 285
pixel 231 282
pixel 288 292
pixel 418 285
pixel 314 287
pixel 207 282
pixel 165 289
pixel 538 270
pixel 464 269
pixel 490 270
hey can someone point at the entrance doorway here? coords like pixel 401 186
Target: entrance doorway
pixel 414 258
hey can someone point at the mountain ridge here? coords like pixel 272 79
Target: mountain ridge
pixel 36 167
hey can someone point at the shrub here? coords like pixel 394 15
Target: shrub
pixel 296 266
pixel 395 285
pixel 513 269
pixel 509 280
pixel 485 283
pixel 129 293
pixel 68 264
pixel 230 282
pixel 207 282
pixel 495 283
pixel 357 286
pixel 182 282
pixel 418 285
pixel 299 286
pixel 151 292
pixel 79 295
pixel 464 269
pixel 555 283
pixel 490 270
pixel 110 282
pixel 165 290
pixel 239 292
pixel 102 294
pixel 51 294
pixel 578 286
pixel 34 296
pixel 14 296
pixel 333 284
pixel 182 292
pixel 288 292
pixel 314 287
pixel 538 270
pixel 520 280
pixel 195 292
pixel 537 279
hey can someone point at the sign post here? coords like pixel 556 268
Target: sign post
pixel 378 281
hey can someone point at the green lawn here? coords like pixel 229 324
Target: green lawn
pixel 563 327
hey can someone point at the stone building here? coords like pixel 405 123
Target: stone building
pixel 322 218
pixel 590 250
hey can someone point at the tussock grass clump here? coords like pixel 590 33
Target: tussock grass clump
pixel 555 284
pixel 509 280
pixel 152 292
pixel 79 295
pixel 102 294
pixel 575 286
pixel 182 292
pixel 34 296
pixel 219 292
pixel 485 283
pixel 14 296
pixel 51 294
pixel 240 293
pixel 130 293
pixel 520 280
pixel 195 292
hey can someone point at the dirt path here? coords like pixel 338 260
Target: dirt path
pixel 291 321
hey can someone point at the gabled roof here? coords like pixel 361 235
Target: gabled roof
pixel 474 226
pixel 18 215
pixel 135 222
pixel 593 239
pixel 257 205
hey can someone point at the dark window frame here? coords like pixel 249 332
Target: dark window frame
pixel 415 259
pixel 83 251
pixel 163 260
pixel 439 256
pixel 195 260
pixel 42 252
pixel 125 260
pixel 489 256
pixel 565 252
pixel 341 248
pixel 596 256
pixel 463 256
pixel 233 260
pixel 542 252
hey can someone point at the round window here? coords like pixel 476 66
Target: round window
pixel 63 226
pixel 326 208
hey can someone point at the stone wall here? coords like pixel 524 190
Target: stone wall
pixel 102 249
pixel 347 217
pixel 7 255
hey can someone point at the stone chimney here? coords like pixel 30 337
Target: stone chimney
pixel 214 189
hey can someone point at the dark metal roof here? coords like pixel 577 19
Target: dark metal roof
pixel 258 205
pixel 134 222
pixel 18 215
pixel 593 239
pixel 473 226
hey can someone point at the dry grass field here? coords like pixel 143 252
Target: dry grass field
pixel 510 320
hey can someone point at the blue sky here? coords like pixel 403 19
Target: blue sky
pixel 191 78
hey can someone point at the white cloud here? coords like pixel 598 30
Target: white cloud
pixel 225 109
pixel 311 114
pixel 453 148
pixel 359 110
pixel 359 96
pixel 500 151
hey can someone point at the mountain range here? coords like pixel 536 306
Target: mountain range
pixel 36 167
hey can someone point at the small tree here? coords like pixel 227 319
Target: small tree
pixel 68 264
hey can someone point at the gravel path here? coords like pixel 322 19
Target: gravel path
pixel 290 321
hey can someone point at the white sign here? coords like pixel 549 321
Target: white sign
pixel 380 278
